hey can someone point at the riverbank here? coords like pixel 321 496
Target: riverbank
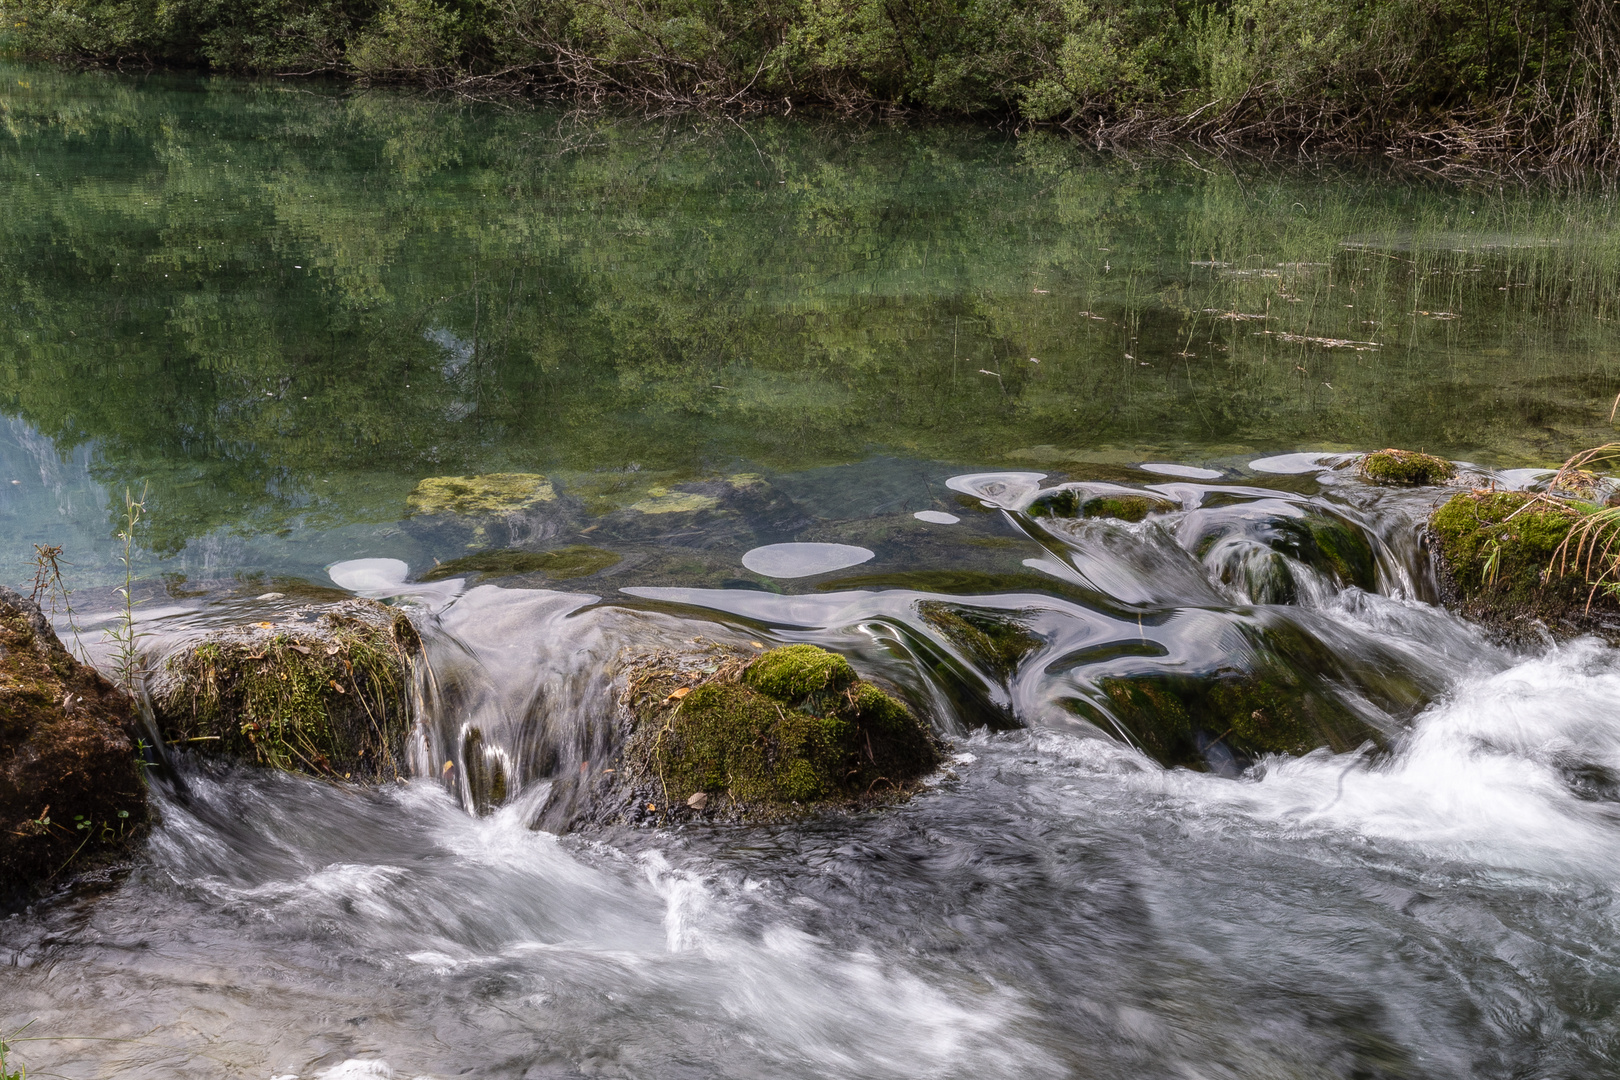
pixel 1415 77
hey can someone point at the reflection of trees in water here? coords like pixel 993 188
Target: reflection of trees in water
pixel 257 298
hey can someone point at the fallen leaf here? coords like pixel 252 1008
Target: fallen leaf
pixel 447 767
pixel 757 644
pixel 336 687
pixel 264 625
pixel 300 648
pixel 653 808
pixel 678 693
pixel 332 650
pixel 698 800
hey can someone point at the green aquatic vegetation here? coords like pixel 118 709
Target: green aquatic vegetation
pixel 998 640
pixel 1069 503
pixel 326 697
pixel 493 493
pixel 574 561
pixel 790 730
pixel 1406 467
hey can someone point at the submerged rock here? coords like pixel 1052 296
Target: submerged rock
pixel 1501 559
pixel 326 696
pixel 788 732
pixel 998 641
pixel 1406 468
pixel 574 561
pixel 70 786
pixel 492 493
pixel 1099 501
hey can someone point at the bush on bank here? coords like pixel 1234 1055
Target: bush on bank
pixel 1441 72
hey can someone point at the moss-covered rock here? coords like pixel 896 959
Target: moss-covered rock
pixel 1099 501
pixel 492 493
pixel 70 786
pixel 1499 560
pixel 998 641
pixel 1406 468
pixel 325 693
pixel 574 561
pixel 788 732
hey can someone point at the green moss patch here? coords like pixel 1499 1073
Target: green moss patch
pixel 1406 468
pixel 327 696
pixel 790 731
pixel 576 561
pixel 493 493
pixel 1500 561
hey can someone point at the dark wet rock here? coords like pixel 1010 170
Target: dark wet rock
pixel 1405 468
pixel 782 734
pixel 561 564
pixel 323 693
pixel 1099 501
pixel 995 640
pixel 1501 559
pixel 71 794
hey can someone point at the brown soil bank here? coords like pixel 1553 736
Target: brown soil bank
pixel 1534 78
pixel 71 794
pixel 1502 559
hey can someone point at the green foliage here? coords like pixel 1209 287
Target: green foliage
pixel 1302 65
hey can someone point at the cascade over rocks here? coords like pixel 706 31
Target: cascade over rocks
pixel 71 794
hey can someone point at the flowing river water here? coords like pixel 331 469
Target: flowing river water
pixel 278 309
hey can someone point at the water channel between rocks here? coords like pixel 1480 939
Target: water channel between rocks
pixel 564 389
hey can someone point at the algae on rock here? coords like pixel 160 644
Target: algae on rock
pixel 1406 468
pixel 492 493
pixel 326 695
pixel 70 784
pixel 1502 559
pixel 788 731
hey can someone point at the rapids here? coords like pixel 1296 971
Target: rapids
pixel 1055 904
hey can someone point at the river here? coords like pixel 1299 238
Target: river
pixel 276 309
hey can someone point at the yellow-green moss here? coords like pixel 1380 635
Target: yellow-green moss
pixel 794 728
pixel 575 561
pixel 1406 467
pixel 660 500
pixel 327 699
pixel 493 493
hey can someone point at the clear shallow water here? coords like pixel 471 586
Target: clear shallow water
pixel 822 334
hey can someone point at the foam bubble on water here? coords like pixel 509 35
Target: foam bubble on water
pixel 803 560
pixel 936 517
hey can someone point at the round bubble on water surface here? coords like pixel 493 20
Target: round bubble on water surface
pixel 369 575
pixel 1003 489
pixel 1291 464
pixel 936 517
pixel 803 560
pixel 1190 472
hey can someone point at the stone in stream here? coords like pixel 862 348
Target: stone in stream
pixel 728 736
pixel 325 694
pixel 71 794
pixel 1406 468
pixel 1501 558
pixel 1099 501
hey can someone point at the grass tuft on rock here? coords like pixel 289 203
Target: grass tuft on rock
pixel 1406 468
pixel 785 733
pixel 327 697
